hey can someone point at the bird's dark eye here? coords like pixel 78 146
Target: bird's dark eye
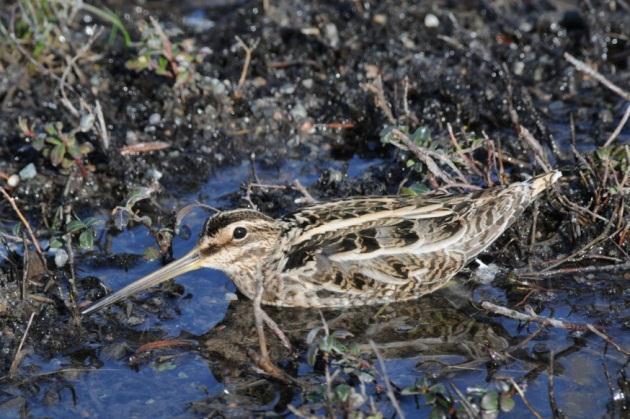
pixel 239 233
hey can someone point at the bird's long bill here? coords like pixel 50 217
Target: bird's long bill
pixel 187 263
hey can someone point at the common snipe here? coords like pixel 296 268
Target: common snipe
pixel 353 251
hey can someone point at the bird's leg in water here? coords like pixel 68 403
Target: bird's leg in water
pixel 263 360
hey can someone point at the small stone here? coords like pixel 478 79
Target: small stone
pixel 155 119
pixel 28 172
pixel 61 258
pixel 307 83
pixel 131 137
pixel 13 181
pixel 332 34
pixel 298 112
pixel 518 68
pixel 287 89
pixel 380 19
pixel 431 21
pixel 87 122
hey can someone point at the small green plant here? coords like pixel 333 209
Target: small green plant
pixel 39 31
pixel 61 148
pixel 486 403
pixel 84 229
pixel 175 60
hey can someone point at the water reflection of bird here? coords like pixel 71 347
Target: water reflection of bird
pixel 440 332
pixel 351 252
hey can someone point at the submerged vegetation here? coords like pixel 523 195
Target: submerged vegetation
pixel 121 124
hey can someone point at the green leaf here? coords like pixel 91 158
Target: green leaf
pixel 74 226
pixel 343 391
pixel 507 402
pixel 151 253
pixel 490 402
pixel 86 239
pixel 38 143
pixel 74 151
pixel 57 153
pixel 55 243
pixel 17 229
pixel 311 354
pixel 86 148
pixel 437 413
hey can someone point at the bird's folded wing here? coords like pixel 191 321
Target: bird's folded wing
pixel 380 252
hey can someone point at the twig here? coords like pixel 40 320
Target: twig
pixel 532 317
pixel 70 65
pixel 553 404
pixel 25 268
pixel 470 411
pixel 297 185
pixel 18 354
pixel 539 152
pixel 521 393
pixel 74 293
pixel 470 162
pixel 585 68
pixel 26 224
pixel 617 130
pixel 621 267
pixel 167 49
pixel 549 321
pixel 388 384
pixel 406 144
pixel 248 58
pixel 607 339
pixel 143 148
pixel 102 126
pixel 381 102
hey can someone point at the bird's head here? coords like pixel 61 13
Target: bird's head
pixel 235 242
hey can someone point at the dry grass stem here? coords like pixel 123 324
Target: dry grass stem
pixel 620 126
pixel 25 223
pixel 586 69
pixel 381 102
pixel 539 151
pixel 388 384
pixel 19 354
pixel 249 49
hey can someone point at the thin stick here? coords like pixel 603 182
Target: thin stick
pixel 539 152
pixel 74 293
pixel 26 224
pixel 521 393
pixel 620 267
pixel 550 321
pixel 18 354
pixel 585 68
pixel 297 185
pixel 532 317
pixel 553 404
pixel 607 339
pixel 25 267
pixel 388 384
pixel 248 58
pixel 381 102
pixel 617 130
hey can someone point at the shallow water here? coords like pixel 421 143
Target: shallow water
pixel 418 340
